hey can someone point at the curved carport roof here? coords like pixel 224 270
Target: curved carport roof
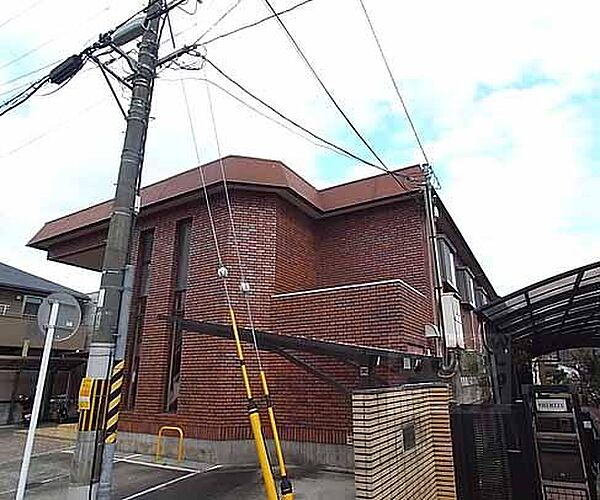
pixel 560 312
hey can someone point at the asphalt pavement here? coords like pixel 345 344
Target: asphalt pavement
pixel 137 476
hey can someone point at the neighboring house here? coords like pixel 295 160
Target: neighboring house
pixel 21 342
pixel 342 283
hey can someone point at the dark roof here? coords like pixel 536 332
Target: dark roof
pixel 560 312
pixel 11 277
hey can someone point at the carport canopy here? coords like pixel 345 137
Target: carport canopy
pixel 561 312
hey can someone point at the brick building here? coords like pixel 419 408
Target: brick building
pixel 348 268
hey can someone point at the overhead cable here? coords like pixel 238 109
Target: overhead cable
pixel 20 13
pixel 29 73
pixel 23 96
pixel 296 124
pixel 256 23
pixel 219 20
pixel 397 90
pixel 319 143
pixel 326 90
pixel 244 27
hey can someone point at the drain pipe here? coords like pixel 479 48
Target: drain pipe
pixel 449 360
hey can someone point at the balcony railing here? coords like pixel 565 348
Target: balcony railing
pixel 16 329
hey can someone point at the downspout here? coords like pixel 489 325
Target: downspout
pixel 449 361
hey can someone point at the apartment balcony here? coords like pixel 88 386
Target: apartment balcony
pixel 16 330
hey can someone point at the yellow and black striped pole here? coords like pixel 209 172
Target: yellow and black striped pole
pixel 259 440
pixel 286 485
pixel 91 413
pixel 114 402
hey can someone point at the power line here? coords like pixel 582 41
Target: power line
pixel 256 23
pixel 221 18
pixel 266 116
pixel 326 90
pixel 29 73
pixel 51 40
pixel 244 27
pixel 397 89
pixel 23 96
pixel 20 98
pixel 53 128
pixel 284 117
pixel 296 124
pixel 20 13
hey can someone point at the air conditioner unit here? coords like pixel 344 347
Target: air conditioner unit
pixel 453 329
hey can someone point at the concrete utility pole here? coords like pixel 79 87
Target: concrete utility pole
pixel 86 465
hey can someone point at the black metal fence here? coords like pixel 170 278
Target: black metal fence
pixel 494 452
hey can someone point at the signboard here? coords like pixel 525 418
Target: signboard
pixel 68 319
pixel 552 405
pixel 85 393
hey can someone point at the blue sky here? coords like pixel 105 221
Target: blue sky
pixel 506 98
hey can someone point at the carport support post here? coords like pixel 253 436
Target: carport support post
pixel 85 467
pixel 37 401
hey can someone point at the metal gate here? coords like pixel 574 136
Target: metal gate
pixel 494 452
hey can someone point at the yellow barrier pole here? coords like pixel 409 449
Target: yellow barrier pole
pixel 259 440
pixel 158 449
pixel 286 485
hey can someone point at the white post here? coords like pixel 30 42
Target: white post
pixel 37 402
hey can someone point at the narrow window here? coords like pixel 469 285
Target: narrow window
pixel 481 298
pixel 31 305
pixel 466 286
pixel 182 251
pixel 447 264
pixel 142 286
pixel 408 437
pixel 145 261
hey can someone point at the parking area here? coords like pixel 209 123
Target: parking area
pixel 137 476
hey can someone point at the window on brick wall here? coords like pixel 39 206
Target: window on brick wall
pixel 409 439
pixel 145 262
pixel 481 298
pixel 447 263
pixel 181 272
pixel 136 351
pixel 466 286
pixel 143 283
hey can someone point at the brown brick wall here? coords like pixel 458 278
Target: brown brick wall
pixel 283 251
pixel 388 314
pixel 379 243
pixel 297 250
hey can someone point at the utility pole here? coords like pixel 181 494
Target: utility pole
pixel 86 465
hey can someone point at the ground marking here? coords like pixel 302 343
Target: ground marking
pixel 168 483
pixel 128 457
pixel 164 466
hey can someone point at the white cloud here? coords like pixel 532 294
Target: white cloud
pixel 523 153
